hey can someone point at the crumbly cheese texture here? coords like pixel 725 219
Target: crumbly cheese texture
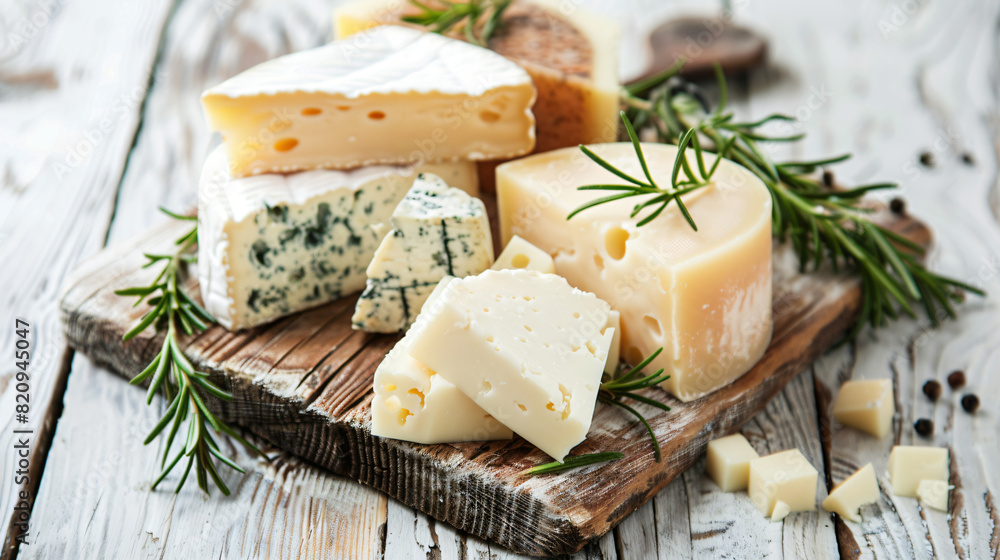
pixel 393 95
pixel 276 244
pixel 785 477
pixel 437 231
pixel 571 55
pixel 866 405
pixel 857 490
pixel 911 464
pixel 526 347
pixel 727 462
pixel 413 403
pixel 703 296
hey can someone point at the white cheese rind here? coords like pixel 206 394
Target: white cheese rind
pixel 437 231
pixel 526 347
pixel 396 95
pixel 703 296
pixel 413 403
pixel 272 245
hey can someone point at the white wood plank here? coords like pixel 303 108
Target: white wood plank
pixel 70 96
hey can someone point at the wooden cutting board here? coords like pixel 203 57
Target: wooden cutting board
pixel 304 383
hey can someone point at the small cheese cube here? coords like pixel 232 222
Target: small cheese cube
pixel 413 403
pixel 525 346
pixel 934 494
pixel 910 464
pixel 520 254
pixel 272 245
pixel 393 95
pixel 857 490
pixel 781 511
pixel 866 405
pixel 727 462
pixel 437 231
pixel 786 476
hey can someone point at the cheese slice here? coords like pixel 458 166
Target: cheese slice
pixel 272 245
pixel 571 55
pixel 703 296
pixel 526 347
pixel 437 231
pixel 392 96
pixel 857 490
pixel 413 403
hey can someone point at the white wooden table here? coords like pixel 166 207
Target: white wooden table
pixel 100 123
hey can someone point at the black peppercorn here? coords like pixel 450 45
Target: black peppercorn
pixel 828 178
pixel 956 379
pixel 968 159
pixel 897 206
pixel 970 403
pixel 924 427
pixel 932 389
pixel 927 159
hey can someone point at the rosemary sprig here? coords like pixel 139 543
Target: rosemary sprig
pixel 468 14
pixel 172 372
pixel 574 462
pixel 824 225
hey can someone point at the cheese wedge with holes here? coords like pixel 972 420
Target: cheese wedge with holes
pixel 526 347
pixel 570 53
pixel 518 253
pixel 413 403
pixel 392 96
pixel 272 245
pixel 437 231
pixel 703 296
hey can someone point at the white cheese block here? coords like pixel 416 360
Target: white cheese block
pixel 857 490
pixel 413 403
pixel 866 405
pixel 526 347
pixel 785 476
pixel 437 231
pixel 911 464
pixel 393 95
pixel 934 494
pixel 272 245
pixel 703 296
pixel 727 462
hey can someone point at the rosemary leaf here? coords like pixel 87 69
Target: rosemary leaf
pixel 574 462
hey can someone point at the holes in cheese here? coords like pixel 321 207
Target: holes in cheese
pixel 285 144
pixel 440 97
pixel 312 111
pixel 453 339
pixel 709 290
pixel 439 412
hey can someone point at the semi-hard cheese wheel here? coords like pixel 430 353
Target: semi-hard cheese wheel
pixel 393 96
pixel 274 244
pixel 572 56
pixel 703 296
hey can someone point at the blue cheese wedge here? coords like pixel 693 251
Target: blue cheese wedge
pixel 413 403
pixel 271 245
pixel 437 231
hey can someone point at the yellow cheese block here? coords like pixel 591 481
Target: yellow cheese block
pixel 857 490
pixel 785 478
pixel 704 297
pixel 866 405
pixel 727 462
pixel 393 96
pixel 571 55
pixel 909 465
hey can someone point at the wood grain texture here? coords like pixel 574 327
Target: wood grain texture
pixel 317 406
pixel 68 116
